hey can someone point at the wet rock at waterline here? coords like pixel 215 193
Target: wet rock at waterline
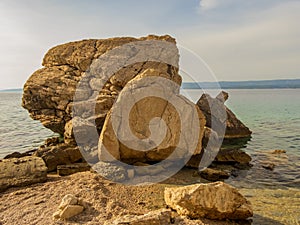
pixel 220 118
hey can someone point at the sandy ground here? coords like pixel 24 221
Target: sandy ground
pixel 107 201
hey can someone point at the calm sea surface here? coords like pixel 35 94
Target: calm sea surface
pixel 273 115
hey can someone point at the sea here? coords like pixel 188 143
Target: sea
pixel 273 115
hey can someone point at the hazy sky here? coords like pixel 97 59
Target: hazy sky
pixel 238 39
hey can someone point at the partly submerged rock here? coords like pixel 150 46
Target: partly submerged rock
pixel 214 174
pixel 213 201
pixel 233 156
pixel 21 172
pixel 20 155
pixel 214 108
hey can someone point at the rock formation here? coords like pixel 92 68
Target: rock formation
pixel 84 86
pixel 49 92
pixel 21 172
pixel 213 201
pixel 213 109
pixel 61 97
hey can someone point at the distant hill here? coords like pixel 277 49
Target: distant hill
pixel 12 90
pixel 260 84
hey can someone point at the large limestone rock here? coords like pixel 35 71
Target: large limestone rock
pixel 218 117
pixel 213 201
pixel 21 172
pixel 48 93
pixel 139 138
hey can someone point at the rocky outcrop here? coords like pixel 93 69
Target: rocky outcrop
pixel 21 172
pixel 218 117
pixel 182 131
pixel 85 86
pixel 48 93
pixel 213 201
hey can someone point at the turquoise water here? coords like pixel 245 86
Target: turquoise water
pixel 273 115
pixel 18 132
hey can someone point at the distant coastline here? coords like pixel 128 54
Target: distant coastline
pixel 255 84
pixel 258 84
pixel 16 90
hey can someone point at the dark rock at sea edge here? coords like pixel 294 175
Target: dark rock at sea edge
pixel 219 116
pixel 20 155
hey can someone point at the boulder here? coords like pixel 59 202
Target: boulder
pixel 219 116
pixel 48 93
pixel 217 200
pixel 81 80
pixel 60 154
pixel 151 128
pixel 21 172
pixel 158 217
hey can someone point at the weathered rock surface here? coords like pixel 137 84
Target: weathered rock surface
pixel 140 122
pixel 70 206
pixel 60 154
pixel 48 93
pixel 214 108
pixel 110 171
pixel 213 201
pixel 214 174
pixel 22 172
pixel 158 217
pixel 233 156
pixel 65 170
pixel 74 90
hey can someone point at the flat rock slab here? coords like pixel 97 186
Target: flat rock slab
pixel 65 170
pixel 21 172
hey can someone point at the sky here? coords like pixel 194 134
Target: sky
pixel 237 39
